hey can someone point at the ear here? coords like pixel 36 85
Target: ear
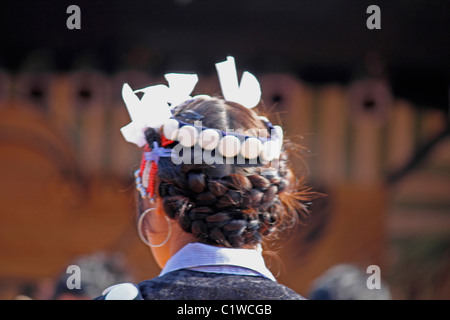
pixel 159 207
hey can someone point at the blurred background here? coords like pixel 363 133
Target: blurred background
pixel 370 107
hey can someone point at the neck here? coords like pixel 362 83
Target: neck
pixel 178 240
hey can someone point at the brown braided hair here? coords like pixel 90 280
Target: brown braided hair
pixel 231 205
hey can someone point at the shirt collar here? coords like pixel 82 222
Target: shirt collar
pixel 198 254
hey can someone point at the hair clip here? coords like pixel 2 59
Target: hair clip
pixel 156 153
pixel 145 175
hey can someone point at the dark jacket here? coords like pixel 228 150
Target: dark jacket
pixel 195 285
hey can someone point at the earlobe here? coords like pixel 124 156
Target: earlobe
pixel 159 208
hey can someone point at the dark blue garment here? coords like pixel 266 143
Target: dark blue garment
pixel 195 285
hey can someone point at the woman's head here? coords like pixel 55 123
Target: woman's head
pixel 227 204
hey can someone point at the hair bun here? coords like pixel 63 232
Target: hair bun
pixel 259 182
pixel 196 181
pixel 217 188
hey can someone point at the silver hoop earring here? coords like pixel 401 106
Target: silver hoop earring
pixel 144 239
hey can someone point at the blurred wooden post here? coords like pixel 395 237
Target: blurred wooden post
pixel 88 92
pixel 293 101
pixel 332 142
pixel 62 111
pixel 400 137
pixel 370 103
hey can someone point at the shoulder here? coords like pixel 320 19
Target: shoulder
pixel 192 285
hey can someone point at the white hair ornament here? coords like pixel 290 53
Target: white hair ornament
pixel 154 110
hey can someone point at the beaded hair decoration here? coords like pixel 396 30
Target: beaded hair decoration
pixel 154 110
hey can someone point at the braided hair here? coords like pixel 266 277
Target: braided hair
pixel 231 205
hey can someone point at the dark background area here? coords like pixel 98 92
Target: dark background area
pixel 318 41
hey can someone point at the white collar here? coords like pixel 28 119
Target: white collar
pixel 194 255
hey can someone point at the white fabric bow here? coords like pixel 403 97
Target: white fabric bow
pixel 247 93
pixel 153 109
